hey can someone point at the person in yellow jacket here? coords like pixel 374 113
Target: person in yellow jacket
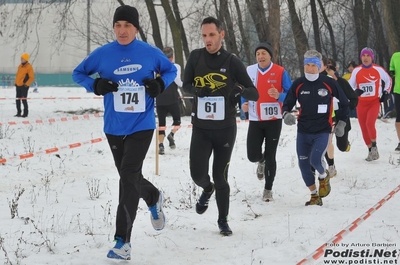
pixel 23 79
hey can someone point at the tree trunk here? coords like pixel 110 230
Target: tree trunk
pixel 380 41
pixel 244 35
pixel 300 37
pixel 257 12
pixel 391 9
pixel 274 28
pixel 154 24
pixel 361 16
pixel 315 23
pixel 330 30
pixel 176 35
pixel 178 18
pixel 230 39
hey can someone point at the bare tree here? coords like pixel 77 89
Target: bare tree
pixel 244 34
pixel 257 12
pixel 175 32
pixel 330 30
pixel 380 40
pixel 315 23
pixel 300 37
pixel 274 27
pixel 391 9
pixel 361 13
pixel 179 20
pixel 225 16
pixel 154 23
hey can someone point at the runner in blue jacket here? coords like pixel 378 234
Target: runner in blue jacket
pixel 132 73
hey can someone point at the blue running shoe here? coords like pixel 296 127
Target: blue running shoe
pixel 121 250
pixel 157 217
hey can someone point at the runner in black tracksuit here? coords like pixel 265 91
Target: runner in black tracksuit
pixel 342 143
pixel 314 92
pixel 218 79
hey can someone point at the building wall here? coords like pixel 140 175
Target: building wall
pixel 53 58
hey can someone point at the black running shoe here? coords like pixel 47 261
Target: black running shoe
pixel 171 141
pixel 397 148
pixel 161 150
pixel 202 203
pixel 224 228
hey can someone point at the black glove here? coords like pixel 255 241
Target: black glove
pixel 203 92
pixel 154 87
pixel 359 92
pixel 102 86
pixel 238 90
pixel 24 85
pixel 235 93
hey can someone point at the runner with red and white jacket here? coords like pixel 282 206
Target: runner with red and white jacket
pixel 366 80
pixel 272 82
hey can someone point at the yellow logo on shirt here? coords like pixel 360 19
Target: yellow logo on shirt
pixel 212 80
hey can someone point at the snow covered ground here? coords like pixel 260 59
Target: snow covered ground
pixel 64 201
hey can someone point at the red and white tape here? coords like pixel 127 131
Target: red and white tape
pixel 70 146
pixel 189 126
pixel 319 252
pixel 51 150
pixel 52 120
pixel 52 98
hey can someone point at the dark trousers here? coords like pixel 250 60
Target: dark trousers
pixel 342 142
pixel 129 153
pixel 269 133
pixel 397 105
pixel 310 150
pixel 219 142
pixel 162 112
pixel 22 92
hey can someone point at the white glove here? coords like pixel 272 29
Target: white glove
pixel 289 118
pixel 339 128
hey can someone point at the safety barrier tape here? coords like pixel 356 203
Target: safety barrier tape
pixel 51 150
pixel 70 146
pixel 52 120
pixel 52 98
pixel 163 128
pixel 350 228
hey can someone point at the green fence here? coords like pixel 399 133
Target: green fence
pixel 64 79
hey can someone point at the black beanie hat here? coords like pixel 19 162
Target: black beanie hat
pixel 266 46
pixel 127 13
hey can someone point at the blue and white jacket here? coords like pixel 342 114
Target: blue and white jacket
pixel 316 103
pixel 130 109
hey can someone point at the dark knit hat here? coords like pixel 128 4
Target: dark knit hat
pixel 266 46
pixel 352 63
pixel 127 13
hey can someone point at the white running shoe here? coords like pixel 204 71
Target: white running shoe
pixel 261 170
pixel 157 217
pixel 121 250
pixel 374 153
pixel 267 196
pixel 332 171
